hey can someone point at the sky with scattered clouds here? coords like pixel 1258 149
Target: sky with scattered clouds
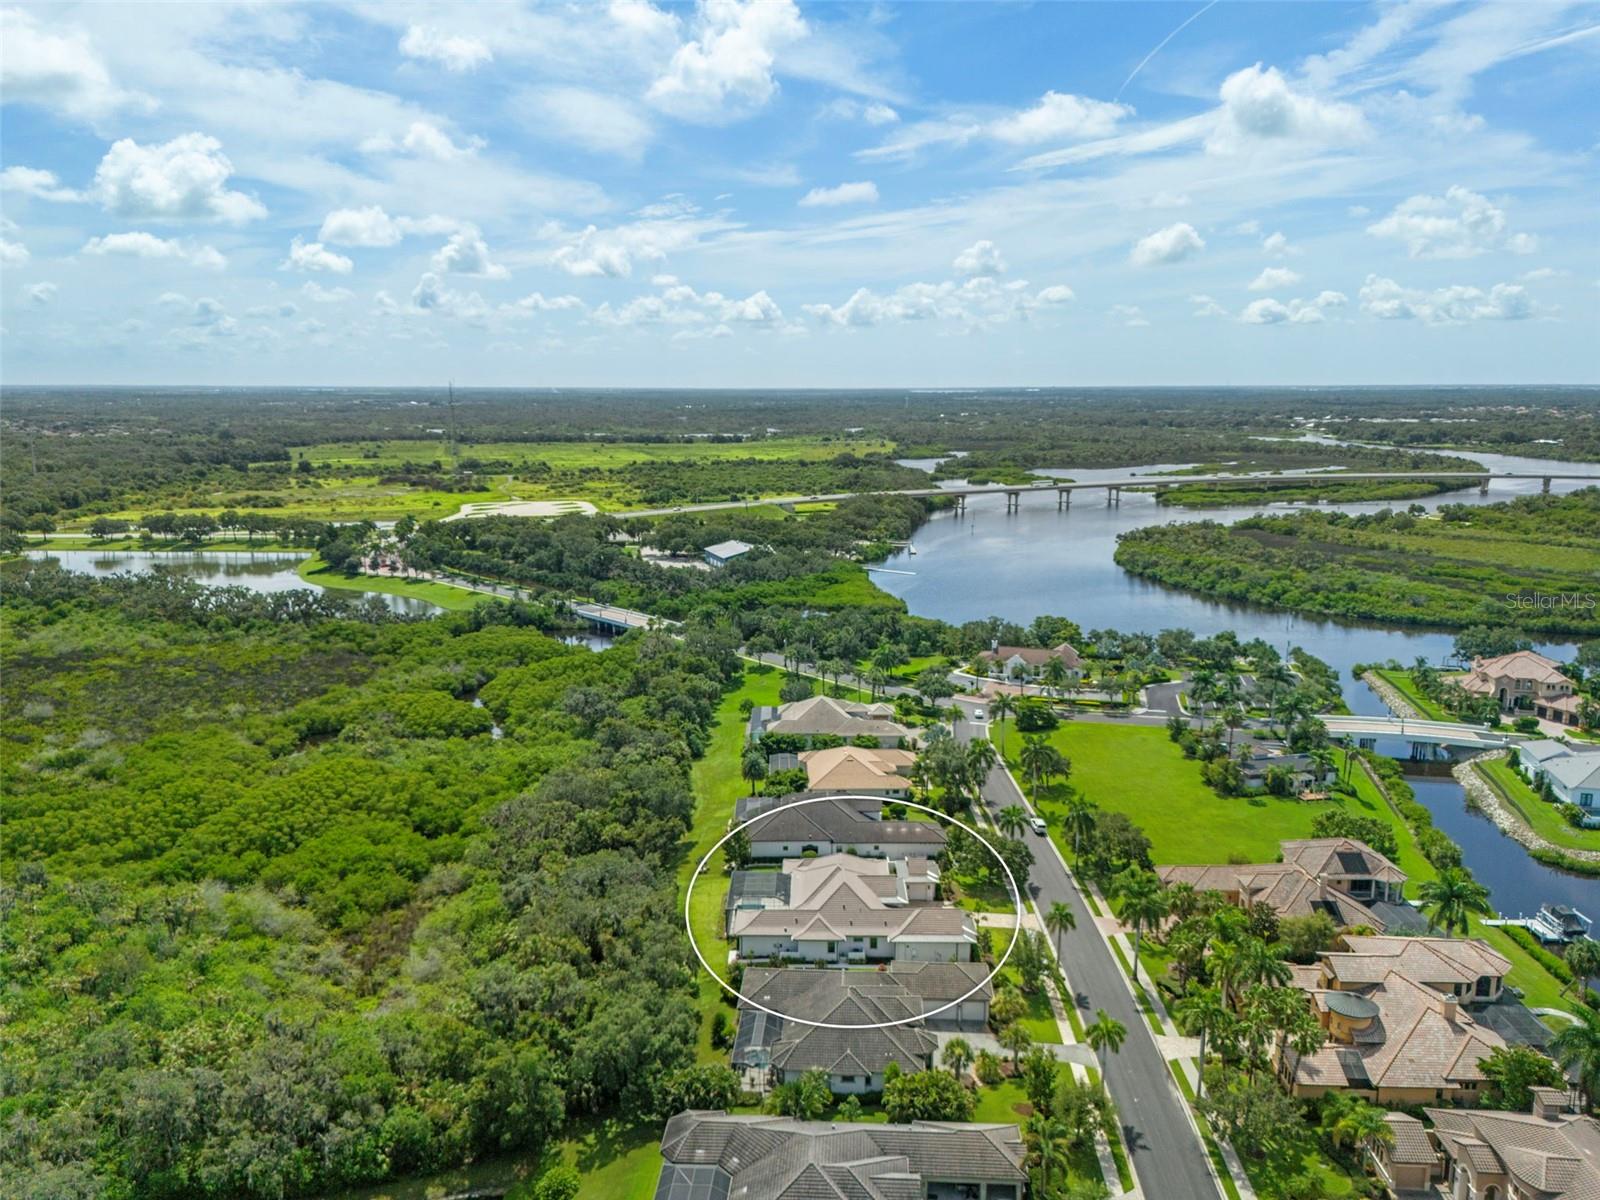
pixel 765 193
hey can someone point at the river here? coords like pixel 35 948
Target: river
pixel 258 570
pixel 984 561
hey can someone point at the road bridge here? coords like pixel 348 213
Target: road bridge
pixel 618 620
pixel 1063 490
pixel 1367 730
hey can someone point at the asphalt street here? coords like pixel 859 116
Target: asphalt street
pixel 1166 1155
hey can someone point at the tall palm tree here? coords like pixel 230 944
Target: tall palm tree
pixel 1002 706
pixel 1055 675
pixel 1048 1138
pixel 1273 678
pixel 1354 1122
pixel 1034 758
pixel 1260 967
pixel 1577 1048
pixel 1583 960
pixel 1450 899
pixel 1105 1036
pixel 1080 820
pixel 1015 1039
pixel 957 1055
pixel 753 766
pixel 981 759
pixel 1142 904
pixel 1058 919
pixel 1012 820
pixel 1223 964
pixel 1200 1012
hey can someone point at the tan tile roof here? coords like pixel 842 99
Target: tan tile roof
pixel 1430 960
pixel 1521 664
pixel 1294 887
pixel 824 714
pixel 1410 1044
pixel 1551 1158
pixel 1411 1144
pixel 853 768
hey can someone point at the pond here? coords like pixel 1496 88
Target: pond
pixel 260 571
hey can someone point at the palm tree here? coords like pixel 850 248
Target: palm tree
pixel 1577 1048
pixel 1258 966
pixel 1058 919
pixel 1080 820
pixel 1034 757
pixel 1200 1012
pixel 981 759
pixel 1050 1145
pixel 1583 960
pixel 957 1055
pixel 1002 706
pixel 753 766
pixel 1106 1035
pixel 1223 964
pixel 1142 904
pixel 1015 1039
pixel 1055 675
pixel 1007 1006
pixel 1450 899
pixel 1273 678
pixel 1012 820
pixel 1354 1122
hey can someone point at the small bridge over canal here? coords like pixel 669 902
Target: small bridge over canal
pixel 611 619
pixel 1426 737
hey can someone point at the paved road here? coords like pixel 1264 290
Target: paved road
pixel 1166 1155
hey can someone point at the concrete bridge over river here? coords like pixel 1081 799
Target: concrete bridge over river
pixel 1159 483
pixel 1424 736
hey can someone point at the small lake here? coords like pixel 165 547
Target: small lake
pixel 260 571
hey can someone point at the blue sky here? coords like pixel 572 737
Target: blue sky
pixel 778 194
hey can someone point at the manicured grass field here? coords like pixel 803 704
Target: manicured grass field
pixel 1540 814
pixel 1007 1104
pixel 1403 683
pixel 445 595
pixel 1135 769
pixel 1039 1021
pixel 602 455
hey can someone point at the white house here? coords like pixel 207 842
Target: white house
pixel 1573 773
pixel 723 553
pixel 842 908
pixel 831 826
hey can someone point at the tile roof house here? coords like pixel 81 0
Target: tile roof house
pixel 826 716
pixel 896 882
pixel 1517 680
pixel 1575 779
pixel 1396 1041
pixel 1467 968
pixel 857 769
pixel 715 1156
pixel 843 908
pixel 774 1050
pixel 1563 710
pixel 1011 662
pixel 1408 1161
pixel 1546 1154
pixel 1347 879
pixel 830 825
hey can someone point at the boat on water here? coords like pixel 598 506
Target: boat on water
pixel 1559 923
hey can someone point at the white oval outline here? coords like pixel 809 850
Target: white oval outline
pixel 1016 931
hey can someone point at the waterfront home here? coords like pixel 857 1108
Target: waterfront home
pixel 724 553
pixel 824 716
pixel 841 908
pixel 1346 879
pixel 1548 1153
pixel 709 1155
pixel 1394 1040
pixel 1028 662
pixel 835 825
pixel 1575 779
pixel 1467 968
pixel 1562 710
pixel 899 882
pixel 1517 681
pixel 857 769
pixel 1304 772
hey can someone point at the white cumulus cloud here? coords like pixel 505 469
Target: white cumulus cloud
pixel 466 253
pixel 38 295
pixel 422 139
pixel 1455 305
pixel 372 227
pixel 981 258
pixel 454 51
pixel 314 256
pixel 30 181
pixel 865 192
pixel 1459 224
pixel 57 68
pixel 726 69
pixel 13 254
pixel 184 179
pixel 1259 107
pixel 1268 311
pixel 1274 277
pixel 979 302
pixel 1056 117
pixel 147 245
pixel 1172 244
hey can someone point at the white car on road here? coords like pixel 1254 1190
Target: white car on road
pixel 1037 825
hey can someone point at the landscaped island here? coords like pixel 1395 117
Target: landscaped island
pixel 1529 563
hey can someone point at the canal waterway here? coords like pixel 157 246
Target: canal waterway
pixel 963 566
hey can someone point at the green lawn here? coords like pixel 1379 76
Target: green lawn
pixel 596 454
pixel 1135 769
pixel 1007 1104
pixel 1538 813
pixel 445 595
pixel 1039 1020
pixel 1403 683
